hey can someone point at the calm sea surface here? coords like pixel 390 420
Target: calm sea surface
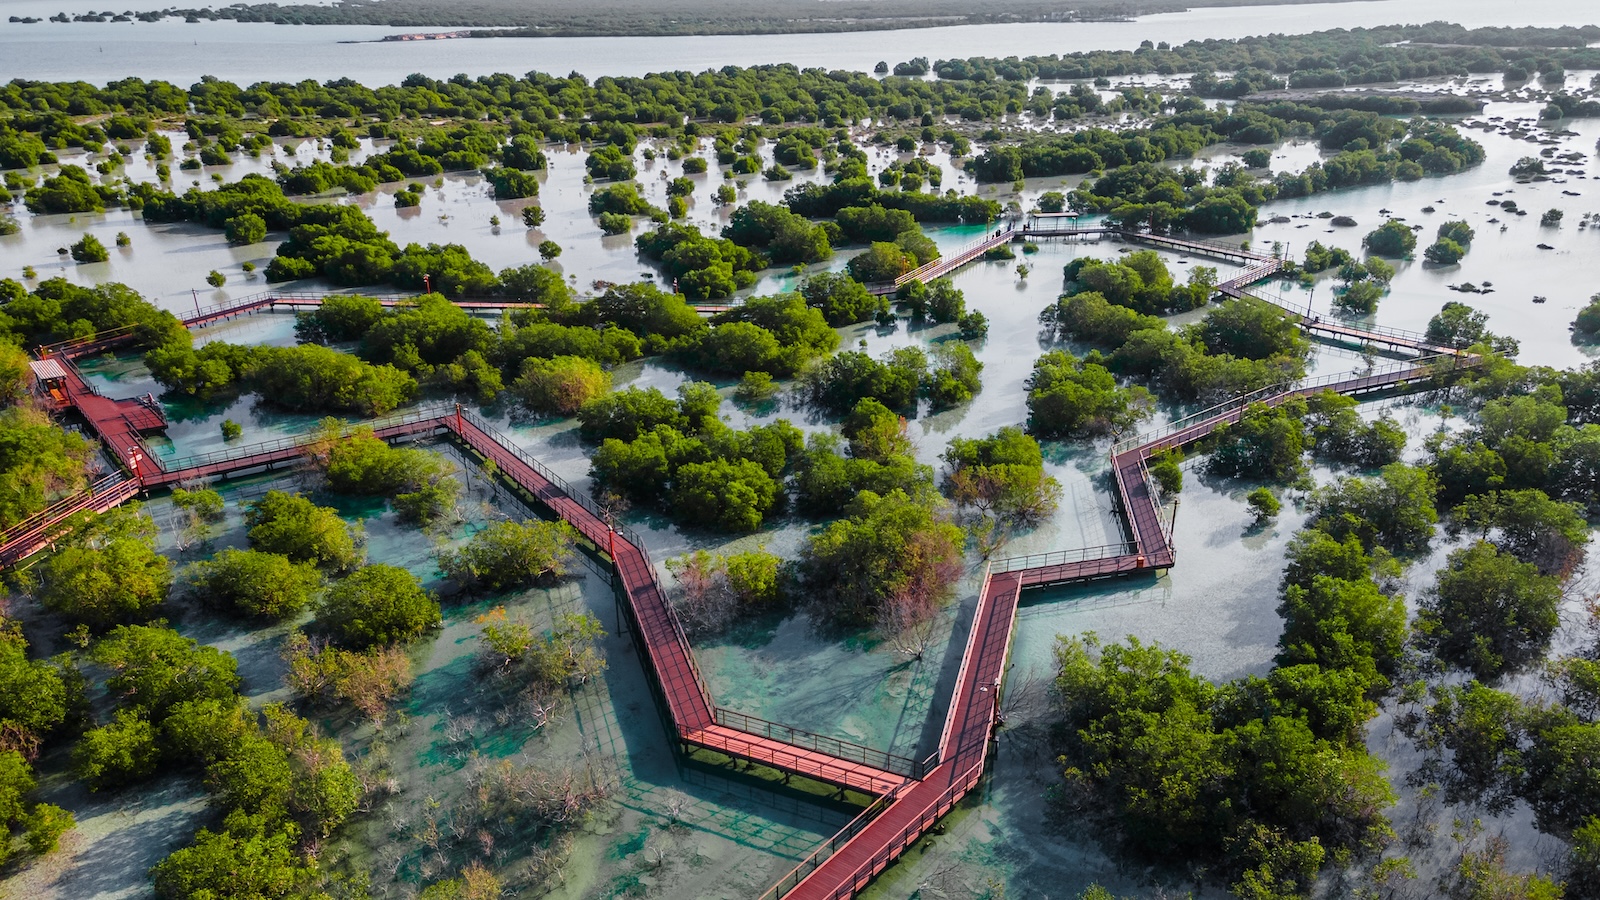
pixel 245 53
pixel 1218 604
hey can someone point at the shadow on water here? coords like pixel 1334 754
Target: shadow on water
pixel 1110 593
pixel 626 730
pixel 944 684
pixel 124 834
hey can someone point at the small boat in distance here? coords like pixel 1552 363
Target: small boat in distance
pixel 1538 299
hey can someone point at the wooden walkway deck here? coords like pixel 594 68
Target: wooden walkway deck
pixel 975 251
pixel 670 661
pixel 912 795
pixel 964 750
pixel 39 532
pixel 270 300
pixel 274 300
pixel 1258 267
pixel 117 423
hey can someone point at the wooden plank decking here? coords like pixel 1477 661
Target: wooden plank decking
pixel 913 795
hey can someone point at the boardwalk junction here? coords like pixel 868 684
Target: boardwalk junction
pixel 910 794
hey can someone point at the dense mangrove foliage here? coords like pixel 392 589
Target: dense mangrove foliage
pixel 1244 771
pixel 1270 784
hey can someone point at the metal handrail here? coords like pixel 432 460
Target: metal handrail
pixel 269 298
pixel 1216 247
pixel 1416 339
pixel 681 635
pixel 555 480
pixel 817 857
pixel 1280 389
pixel 263 298
pixel 911 833
pixel 66 347
pixel 964 255
pixel 820 743
pixel 966 658
pixel 1063 557
pixel 1127 508
pixel 1413 337
pixel 300 439
pixel 1155 499
pixel 1172 242
pixel 21 545
pixel 54 510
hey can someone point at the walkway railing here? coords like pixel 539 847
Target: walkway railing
pixel 559 483
pixel 959 258
pixel 979 616
pixel 300 440
pixel 1282 388
pixel 206 315
pixel 267 298
pixel 38 532
pixel 1264 264
pixel 1330 324
pixel 79 346
pixel 913 831
pixel 64 505
pixel 821 743
pixel 1211 248
pixel 1127 507
pixel 1062 557
pixel 1399 336
pixel 831 846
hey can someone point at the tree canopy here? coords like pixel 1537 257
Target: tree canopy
pixel 377 604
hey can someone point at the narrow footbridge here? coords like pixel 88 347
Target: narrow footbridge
pixel 910 794
pixel 268 301
pixel 295 301
pixel 944 265
pixel 1258 267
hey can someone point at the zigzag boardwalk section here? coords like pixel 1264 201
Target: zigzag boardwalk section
pixel 1394 340
pixel 911 795
pixel 670 661
pixel 273 300
pixel 270 300
pixel 974 251
pixel 841 868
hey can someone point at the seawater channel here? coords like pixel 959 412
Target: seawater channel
pixel 249 52
pixel 679 831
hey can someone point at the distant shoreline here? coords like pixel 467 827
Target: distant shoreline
pixel 418 37
pixel 430 20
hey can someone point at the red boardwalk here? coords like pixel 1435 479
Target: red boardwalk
pixel 117 423
pixel 244 306
pixel 670 660
pixel 974 251
pixel 912 795
pixel 38 532
pixel 964 749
